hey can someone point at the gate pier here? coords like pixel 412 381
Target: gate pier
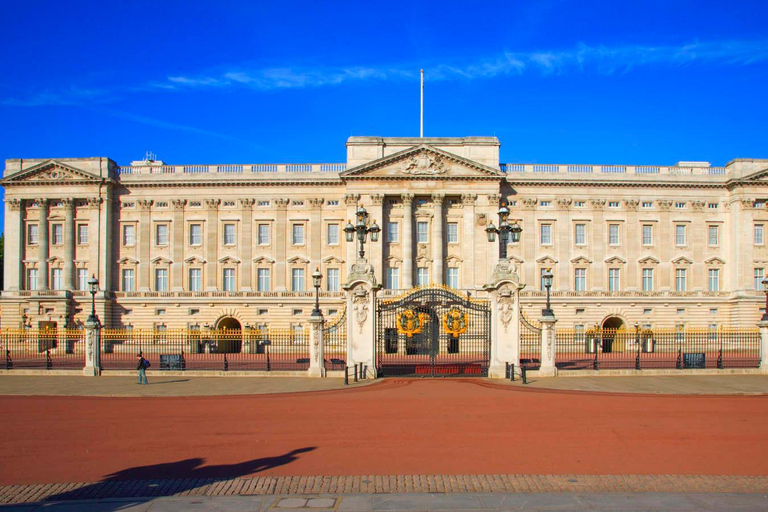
pixel 361 307
pixel 504 292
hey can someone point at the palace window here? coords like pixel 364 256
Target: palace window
pixel 546 234
pixel 680 205
pixel 714 238
pixel 712 206
pixel 581 234
pixel 714 280
pixel 681 279
pixel 393 278
pixel 297 279
pixel 161 234
pixel 32 234
pixel 647 279
pixel 195 279
pixel 262 280
pixel 759 274
pixel 759 239
pixel 298 234
pixel 647 234
pixel 422 276
pixel 452 277
pixel 613 234
pixel 229 234
pixel 31 279
pixel 393 235
pixel 453 233
pixel 333 202
pixel 262 203
pixel 613 204
pixel 82 234
pixel 195 234
pixel 82 279
pixel 333 234
pixel 56 279
pixel 545 203
pixel 161 279
pixel 332 281
pixel 129 235
pixel 579 204
pixel 263 234
pixel 228 280
pixel 422 232
pixel 580 279
pixel 614 279
pixel 129 282
pixel 679 234
pixel 647 204
pixel 57 234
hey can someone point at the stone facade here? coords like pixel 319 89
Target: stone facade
pixel 195 245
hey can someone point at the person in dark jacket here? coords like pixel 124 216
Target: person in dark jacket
pixel 142 369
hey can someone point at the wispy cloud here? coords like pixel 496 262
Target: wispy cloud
pixel 583 58
pixel 150 121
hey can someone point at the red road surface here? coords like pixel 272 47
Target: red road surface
pixel 392 427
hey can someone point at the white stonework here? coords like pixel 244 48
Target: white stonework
pixel 190 245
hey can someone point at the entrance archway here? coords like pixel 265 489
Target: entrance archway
pixel 229 336
pixel 611 326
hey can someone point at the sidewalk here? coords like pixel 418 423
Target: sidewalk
pixel 66 385
pixel 418 502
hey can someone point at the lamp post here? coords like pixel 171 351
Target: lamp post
pixel 317 279
pixel 93 286
pixel 506 231
pixel 637 342
pixel 362 229
pixel 546 277
pixel 765 290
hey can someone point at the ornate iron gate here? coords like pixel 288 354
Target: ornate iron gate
pixel 433 332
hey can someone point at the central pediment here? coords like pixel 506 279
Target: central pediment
pixel 423 162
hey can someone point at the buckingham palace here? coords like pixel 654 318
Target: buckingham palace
pixel 235 245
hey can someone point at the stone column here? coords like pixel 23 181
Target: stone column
pixel 763 325
pixel 212 244
pixel 315 233
pixel 43 245
pixel 548 346
pixel 407 241
pixel 316 352
pixel 92 366
pixel 69 244
pixel 468 241
pixel 599 232
pixel 145 245
pixel 438 246
pixel 15 241
pixel 177 245
pixel 106 205
pixel 282 240
pixel 350 248
pixel 246 245
pixel 376 248
pixel 504 291
pixel 665 241
pixel 96 240
pixel 361 307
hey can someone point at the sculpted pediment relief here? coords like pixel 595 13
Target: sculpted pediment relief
pixel 50 172
pixel 423 162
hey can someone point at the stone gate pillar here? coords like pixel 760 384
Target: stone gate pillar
pixel 504 290
pixel 548 346
pixel 92 348
pixel 361 309
pixel 316 352
pixel 763 326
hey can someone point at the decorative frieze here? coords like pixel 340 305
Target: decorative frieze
pixel 281 203
pixel 351 199
pixel 597 204
pixel 468 199
pixel 246 203
pixel 564 204
pixel 377 199
pixel 437 199
pixel 178 204
pixel 698 205
pixel 144 204
pixel 407 199
pixel 664 204
pixel 315 202
pixel 14 204
pixel 212 204
pixel 631 204
pixel 529 203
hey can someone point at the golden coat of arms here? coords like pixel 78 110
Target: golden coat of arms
pixel 455 322
pixel 409 322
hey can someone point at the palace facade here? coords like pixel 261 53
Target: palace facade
pixel 235 245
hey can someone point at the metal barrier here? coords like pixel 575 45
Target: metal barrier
pixel 43 348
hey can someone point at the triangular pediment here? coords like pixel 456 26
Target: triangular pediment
pixel 581 260
pixel 160 261
pixel 615 260
pixel 715 261
pixel 298 260
pixel 229 260
pixel 263 260
pixel 682 260
pixel 194 260
pixel 127 260
pixel 547 260
pixel 50 172
pixel 332 260
pixel 648 260
pixel 423 162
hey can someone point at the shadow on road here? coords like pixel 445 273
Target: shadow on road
pixel 170 478
pixel 167 381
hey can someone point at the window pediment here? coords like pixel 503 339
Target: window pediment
pixel 227 260
pixel 616 260
pixel 714 261
pixel 128 261
pixel 263 260
pixel 332 260
pixel 160 261
pixel 649 260
pixel 581 260
pixel 298 260
pixel 547 260
pixel 194 260
pixel 682 260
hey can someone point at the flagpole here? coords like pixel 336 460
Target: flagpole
pixel 421 120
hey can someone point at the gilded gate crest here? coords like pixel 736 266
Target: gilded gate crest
pixel 455 322
pixel 409 322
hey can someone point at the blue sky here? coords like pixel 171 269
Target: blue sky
pixel 247 82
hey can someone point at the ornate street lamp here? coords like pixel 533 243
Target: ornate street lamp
pixel 546 278
pixel 506 231
pixel 765 289
pixel 93 286
pixel 362 229
pixel 317 279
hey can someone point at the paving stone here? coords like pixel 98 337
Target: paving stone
pixel 291 503
pixel 321 503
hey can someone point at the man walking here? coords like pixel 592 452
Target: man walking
pixel 142 368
